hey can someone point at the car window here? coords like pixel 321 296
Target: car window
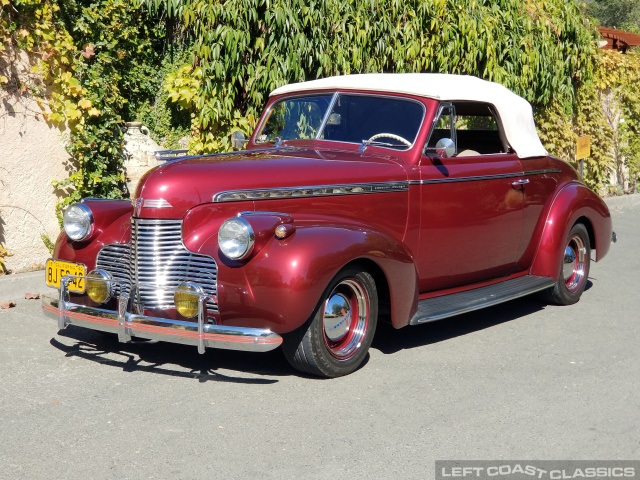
pixel 387 121
pixel 390 121
pixel 294 119
pixel 477 130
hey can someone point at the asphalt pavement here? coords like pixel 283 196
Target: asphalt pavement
pixel 522 380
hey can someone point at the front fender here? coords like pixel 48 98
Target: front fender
pixel 281 285
pixel 574 203
pixel 112 225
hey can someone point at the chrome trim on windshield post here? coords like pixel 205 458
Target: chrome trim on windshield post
pixel 326 115
pixel 310 191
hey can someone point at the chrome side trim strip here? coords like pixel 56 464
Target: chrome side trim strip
pixel 476 178
pixel 310 191
pixel 542 172
pixel 465 179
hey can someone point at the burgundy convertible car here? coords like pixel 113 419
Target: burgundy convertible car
pixel 404 198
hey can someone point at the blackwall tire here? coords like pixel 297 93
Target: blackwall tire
pixel 574 270
pixel 336 339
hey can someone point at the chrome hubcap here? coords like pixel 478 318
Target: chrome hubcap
pixel 337 317
pixel 574 263
pixel 345 318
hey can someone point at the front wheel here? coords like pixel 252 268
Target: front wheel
pixel 574 270
pixel 335 340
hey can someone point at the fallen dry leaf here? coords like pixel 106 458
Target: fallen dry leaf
pixel 5 305
pixel 31 296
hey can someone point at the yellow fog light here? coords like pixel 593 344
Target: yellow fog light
pixel 99 286
pixel 186 299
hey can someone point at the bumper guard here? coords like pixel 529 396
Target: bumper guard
pixel 127 325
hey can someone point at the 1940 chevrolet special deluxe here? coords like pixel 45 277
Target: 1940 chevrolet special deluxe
pixel 403 198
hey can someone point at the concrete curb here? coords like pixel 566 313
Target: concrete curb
pixel 13 287
pixel 617 203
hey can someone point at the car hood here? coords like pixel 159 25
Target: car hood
pixel 170 190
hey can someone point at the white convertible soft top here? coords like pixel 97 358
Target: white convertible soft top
pixel 515 112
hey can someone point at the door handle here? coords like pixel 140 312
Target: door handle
pixel 517 183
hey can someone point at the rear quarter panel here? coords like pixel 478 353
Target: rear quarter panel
pixel 574 203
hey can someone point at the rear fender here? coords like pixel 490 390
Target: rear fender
pixel 574 203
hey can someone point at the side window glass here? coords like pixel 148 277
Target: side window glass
pixel 477 130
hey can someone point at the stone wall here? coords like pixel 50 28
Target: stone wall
pixel 32 154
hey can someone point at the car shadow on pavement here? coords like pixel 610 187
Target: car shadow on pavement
pixel 388 340
pixel 173 360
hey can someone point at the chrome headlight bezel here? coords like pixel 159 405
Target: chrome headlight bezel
pixel 77 221
pixel 236 238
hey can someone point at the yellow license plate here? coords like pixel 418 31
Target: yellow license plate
pixel 56 269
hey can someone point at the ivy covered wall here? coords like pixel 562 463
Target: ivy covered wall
pixel 205 68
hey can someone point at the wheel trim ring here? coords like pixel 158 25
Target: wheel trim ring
pixel 348 344
pixel 573 264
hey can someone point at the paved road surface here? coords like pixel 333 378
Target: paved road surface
pixel 518 381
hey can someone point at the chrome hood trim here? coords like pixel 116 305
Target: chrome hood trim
pixel 310 191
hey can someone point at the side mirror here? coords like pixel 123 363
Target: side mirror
pixel 238 140
pixel 445 148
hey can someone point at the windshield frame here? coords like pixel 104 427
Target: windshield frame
pixel 334 97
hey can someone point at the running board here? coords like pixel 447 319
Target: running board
pixel 449 305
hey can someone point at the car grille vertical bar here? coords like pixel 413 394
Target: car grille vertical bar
pixel 157 262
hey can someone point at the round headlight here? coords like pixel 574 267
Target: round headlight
pixel 77 221
pixel 99 286
pixel 236 238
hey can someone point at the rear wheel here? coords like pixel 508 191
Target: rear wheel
pixel 337 337
pixel 574 270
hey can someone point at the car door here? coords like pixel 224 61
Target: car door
pixel 471 203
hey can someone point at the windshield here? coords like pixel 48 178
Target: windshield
pixel 378 120
pixel 295 119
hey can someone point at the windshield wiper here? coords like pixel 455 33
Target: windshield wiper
pixel 375 143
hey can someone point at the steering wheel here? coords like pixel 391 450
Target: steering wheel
pixel 393 136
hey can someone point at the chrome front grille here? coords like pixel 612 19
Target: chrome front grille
pixel 157 262
pixel 115 259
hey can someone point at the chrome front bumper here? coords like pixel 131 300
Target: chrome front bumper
pixel 127 325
